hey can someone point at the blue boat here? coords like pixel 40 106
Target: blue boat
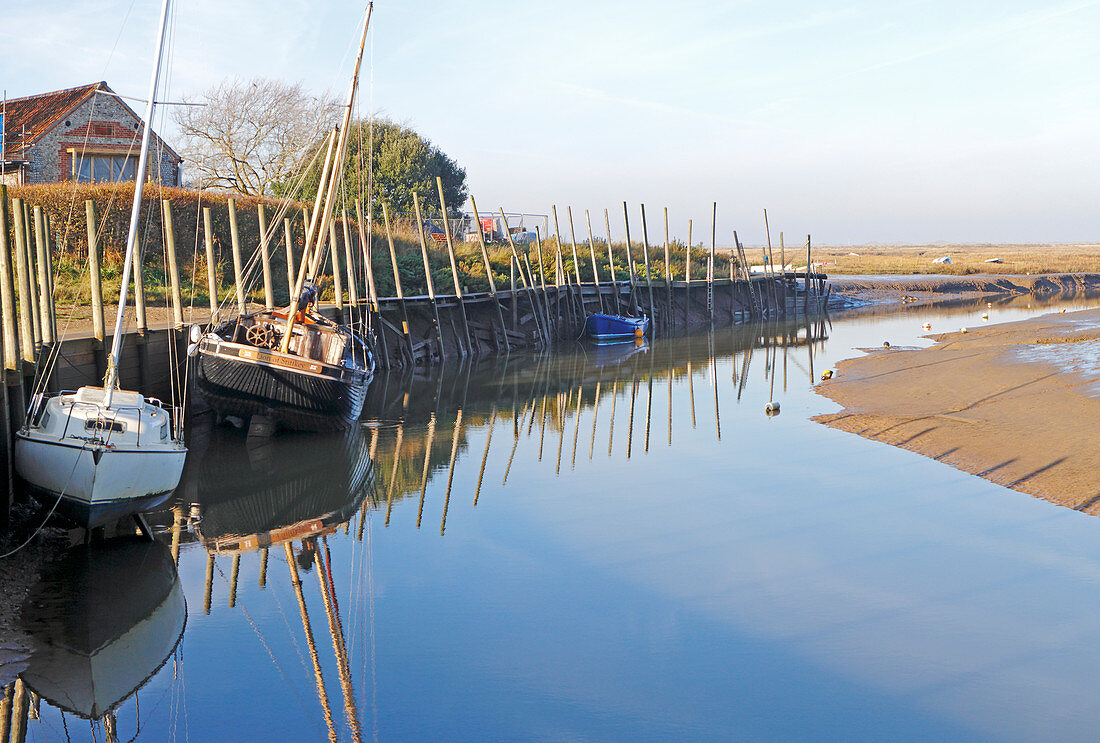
pixel 603 327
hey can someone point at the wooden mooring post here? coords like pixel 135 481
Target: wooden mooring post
pixel 372 291
pixel 710 264
pixel 437 326
pixel 576 261
pixel 235 241
pixel 501 339
pixel 32 282
pixel 687 278
pixel 173 265
pixel 611 264
pixel 12 382
pixel 668 276
pixel 648 273
pixel 349 265
pixel 288 245
pixel 543 336
pixel 211 264
pixel 265 257
pixel 470 341
pixel 27 334
pixel 406 336
pixel 95 284
pixel 47 320
pixel 595 265
pixel 630 263
pixel 337 276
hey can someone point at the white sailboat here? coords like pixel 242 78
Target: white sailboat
pixel 102 453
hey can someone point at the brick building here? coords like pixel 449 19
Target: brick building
pixel 79 134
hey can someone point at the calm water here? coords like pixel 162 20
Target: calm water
pixel 603 545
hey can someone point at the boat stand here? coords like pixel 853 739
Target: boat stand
pixel 143 526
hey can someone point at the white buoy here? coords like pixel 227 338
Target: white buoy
pixel 195 334
pixel 962 330
pixel 772 408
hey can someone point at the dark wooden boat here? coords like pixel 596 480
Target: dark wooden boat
pixel 297 367
pixel 318 384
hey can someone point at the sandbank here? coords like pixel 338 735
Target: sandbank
pixel 1017 404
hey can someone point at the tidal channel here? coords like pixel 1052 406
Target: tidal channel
pixel 599 544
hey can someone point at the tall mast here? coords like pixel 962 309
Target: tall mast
pixel 341 147
pixel 135 213
pixel 337 169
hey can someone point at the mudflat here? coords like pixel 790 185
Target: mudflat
pixel 1017 404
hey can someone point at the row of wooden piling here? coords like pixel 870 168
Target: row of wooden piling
pixel 537 309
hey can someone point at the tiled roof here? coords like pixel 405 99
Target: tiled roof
pixel 28 118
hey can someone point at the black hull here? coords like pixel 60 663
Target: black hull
pixel 297 400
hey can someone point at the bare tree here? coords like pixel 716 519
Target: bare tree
pixel 249 135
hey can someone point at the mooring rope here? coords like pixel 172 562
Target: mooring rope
pixel 52 509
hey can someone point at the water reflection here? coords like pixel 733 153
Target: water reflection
pixel 631 550
pixel 102 621
pixel 420 420
pixel 255 493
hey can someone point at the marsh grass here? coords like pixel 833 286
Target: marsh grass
pixel 965 259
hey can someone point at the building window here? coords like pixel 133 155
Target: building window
pixel 95 168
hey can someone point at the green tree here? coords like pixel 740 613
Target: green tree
pixel 404 161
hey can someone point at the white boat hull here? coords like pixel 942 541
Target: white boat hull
pixel 91 492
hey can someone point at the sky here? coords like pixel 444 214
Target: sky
pixel 855 122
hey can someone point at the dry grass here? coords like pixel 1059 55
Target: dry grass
pixel 965 259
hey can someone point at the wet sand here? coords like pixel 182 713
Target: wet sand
pixel 1003 402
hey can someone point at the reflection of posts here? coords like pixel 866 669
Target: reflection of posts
pixel 516 426
pixel 263 567
pixel 233 579
pixel 110 727
pixel 691 393
pixel 485 456
pixel 648 405
pixel 563 405
pixel 611 427
pixel 393 472
pixel 595 415
pixel 209 582
pixel 576 426
pixel 630 425
pixel 451 473
pixel 714 384
pixel 427 464
pixel 670 406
